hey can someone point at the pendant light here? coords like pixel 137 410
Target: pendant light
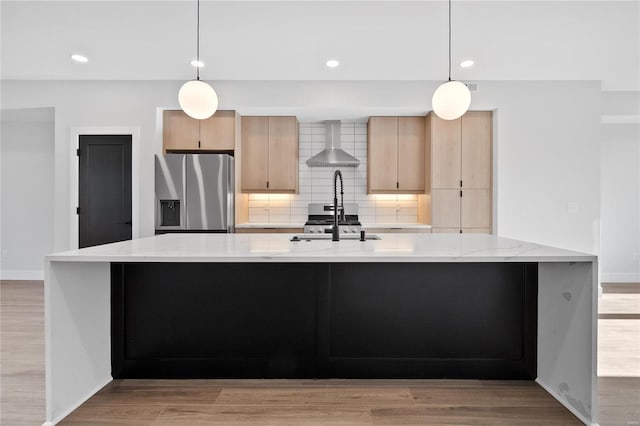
pixel 452 98
pixel 197 98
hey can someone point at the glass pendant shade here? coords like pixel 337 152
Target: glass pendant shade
pixel 451 100
pixel 198 99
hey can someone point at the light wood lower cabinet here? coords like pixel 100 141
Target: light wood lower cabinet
pixel 475 208
pixel 461 231
pixel 460 209
pixel 445 211
pixel 476 230
pixel 445 230
pixel 398 230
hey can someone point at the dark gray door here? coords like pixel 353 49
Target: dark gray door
pixel 105 189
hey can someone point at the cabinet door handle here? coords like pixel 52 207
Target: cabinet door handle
pixel 267 184
pixel 397 185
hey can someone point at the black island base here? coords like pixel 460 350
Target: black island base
pixel 324 320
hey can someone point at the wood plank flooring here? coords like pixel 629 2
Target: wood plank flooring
pixel 277 402
pixel 315 402
pixel 619 331
pixel 21 353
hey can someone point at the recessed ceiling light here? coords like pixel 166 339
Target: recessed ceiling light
pixel 333 63
pixel 79 58
pixel 467 63
pixel 197 63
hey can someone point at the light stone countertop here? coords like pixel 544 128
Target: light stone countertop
pixel 407 247
pixel 270 225
pixel 364 225
pixel 395 226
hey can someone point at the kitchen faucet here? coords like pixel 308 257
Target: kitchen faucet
pixel 336 229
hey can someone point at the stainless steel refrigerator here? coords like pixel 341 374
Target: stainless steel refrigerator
pixel 195 193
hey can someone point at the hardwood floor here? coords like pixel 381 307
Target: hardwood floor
pixel 21 353
pixel 619 331
pixel 277 402
pixel 314 402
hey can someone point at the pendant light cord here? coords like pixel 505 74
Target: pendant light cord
pixel 449 40
pixel 198 44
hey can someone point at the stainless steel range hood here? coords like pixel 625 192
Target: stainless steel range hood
pixel 332 155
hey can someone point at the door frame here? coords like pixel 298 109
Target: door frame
pixel 74 175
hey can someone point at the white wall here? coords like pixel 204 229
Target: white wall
pixel 620 179
pixel 620 186
pixel 547 147
pixel 548 157
pixel 27 146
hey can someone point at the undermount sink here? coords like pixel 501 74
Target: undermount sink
pixel 327 237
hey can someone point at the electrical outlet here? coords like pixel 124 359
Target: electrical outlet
pixel 572 207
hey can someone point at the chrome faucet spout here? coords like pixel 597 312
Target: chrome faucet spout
pixel 336 229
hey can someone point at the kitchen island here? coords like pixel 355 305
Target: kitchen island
pixel 260 305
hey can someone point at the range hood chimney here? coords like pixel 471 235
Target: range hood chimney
pixel 332 155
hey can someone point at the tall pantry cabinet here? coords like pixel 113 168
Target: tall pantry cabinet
pixel 461 173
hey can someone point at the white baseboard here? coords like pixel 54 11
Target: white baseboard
pixel 22 275
pixel 614 277
pixel 562 401
pixel 81 401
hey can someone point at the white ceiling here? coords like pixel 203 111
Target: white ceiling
pixel 291 40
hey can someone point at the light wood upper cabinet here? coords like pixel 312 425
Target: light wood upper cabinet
pixel 411 154
pixel 283 154
pixel 183 133
pixel 218 132
pixel 476 155
pixel 179 131
pixel 396 155
pixel 255 153
pixel 446 151
pixel 382 154
pixel 269 154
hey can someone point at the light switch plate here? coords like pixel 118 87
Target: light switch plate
pixel 572 207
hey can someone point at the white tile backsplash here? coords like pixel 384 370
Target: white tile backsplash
pixel 316 184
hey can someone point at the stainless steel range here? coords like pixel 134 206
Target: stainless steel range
pixel 320 219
